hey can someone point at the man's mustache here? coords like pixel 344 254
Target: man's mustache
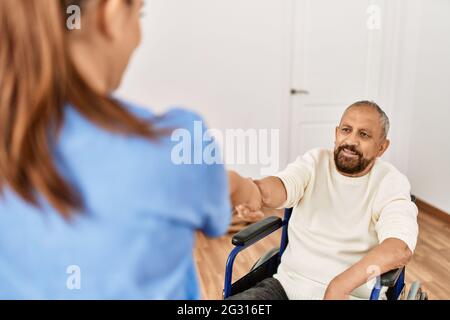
pixel 351 148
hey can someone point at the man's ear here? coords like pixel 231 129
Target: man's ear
pixel 384 147
pixel 108 18
pixel 335 135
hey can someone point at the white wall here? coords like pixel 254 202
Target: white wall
pixel 231 62
pixel 429 155
pixel 228 60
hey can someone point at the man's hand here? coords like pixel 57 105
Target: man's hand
pixel 249 197
pixel 246 198
pixel 392 253
pixel 249 204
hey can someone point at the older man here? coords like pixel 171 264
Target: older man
pixel 352 219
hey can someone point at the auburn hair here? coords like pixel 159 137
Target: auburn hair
pixel 37 80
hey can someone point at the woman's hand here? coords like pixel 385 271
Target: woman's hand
pixel 247 214
pixel 246 198
pixel 248 203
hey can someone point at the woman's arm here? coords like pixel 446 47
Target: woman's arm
pixel 249 196
pixel 244 191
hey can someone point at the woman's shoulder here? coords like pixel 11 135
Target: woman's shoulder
pixel 175 117
pixel 78 130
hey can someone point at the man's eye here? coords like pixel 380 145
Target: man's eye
pixel 345 129
pixel 364 135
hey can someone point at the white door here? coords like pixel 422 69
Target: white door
pixel 336 61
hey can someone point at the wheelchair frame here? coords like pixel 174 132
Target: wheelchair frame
pixel 394 279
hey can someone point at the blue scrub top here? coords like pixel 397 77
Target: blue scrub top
pixel 135 236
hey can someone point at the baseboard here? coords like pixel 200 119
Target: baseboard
pixel 433 211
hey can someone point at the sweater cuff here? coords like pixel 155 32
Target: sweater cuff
pixel 284 177
pixel 410 241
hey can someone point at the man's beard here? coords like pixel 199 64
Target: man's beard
pixel 350 165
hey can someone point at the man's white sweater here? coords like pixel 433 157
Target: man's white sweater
pixel 338 219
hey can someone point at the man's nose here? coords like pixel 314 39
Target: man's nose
pixel 352 140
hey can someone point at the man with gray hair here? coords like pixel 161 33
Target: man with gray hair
pixel 353 218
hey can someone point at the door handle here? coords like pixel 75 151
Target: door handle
pixel 299 91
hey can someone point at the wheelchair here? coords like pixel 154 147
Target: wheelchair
pixel 267 265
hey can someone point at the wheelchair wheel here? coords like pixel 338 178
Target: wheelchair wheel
pixel 424 296
pixel 416 293
pixel 269 254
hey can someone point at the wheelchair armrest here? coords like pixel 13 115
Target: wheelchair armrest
pixel 389 279
pixel 256 231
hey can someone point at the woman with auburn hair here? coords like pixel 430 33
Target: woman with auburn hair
pixel 91 204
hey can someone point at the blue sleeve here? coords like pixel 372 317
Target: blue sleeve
pixel 209 192
pixel 217 207
pixel 140 177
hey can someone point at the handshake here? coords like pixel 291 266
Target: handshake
pixel 249 197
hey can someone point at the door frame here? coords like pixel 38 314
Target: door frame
pixel 398 61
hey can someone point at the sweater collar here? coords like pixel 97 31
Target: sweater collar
pixel 349 180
